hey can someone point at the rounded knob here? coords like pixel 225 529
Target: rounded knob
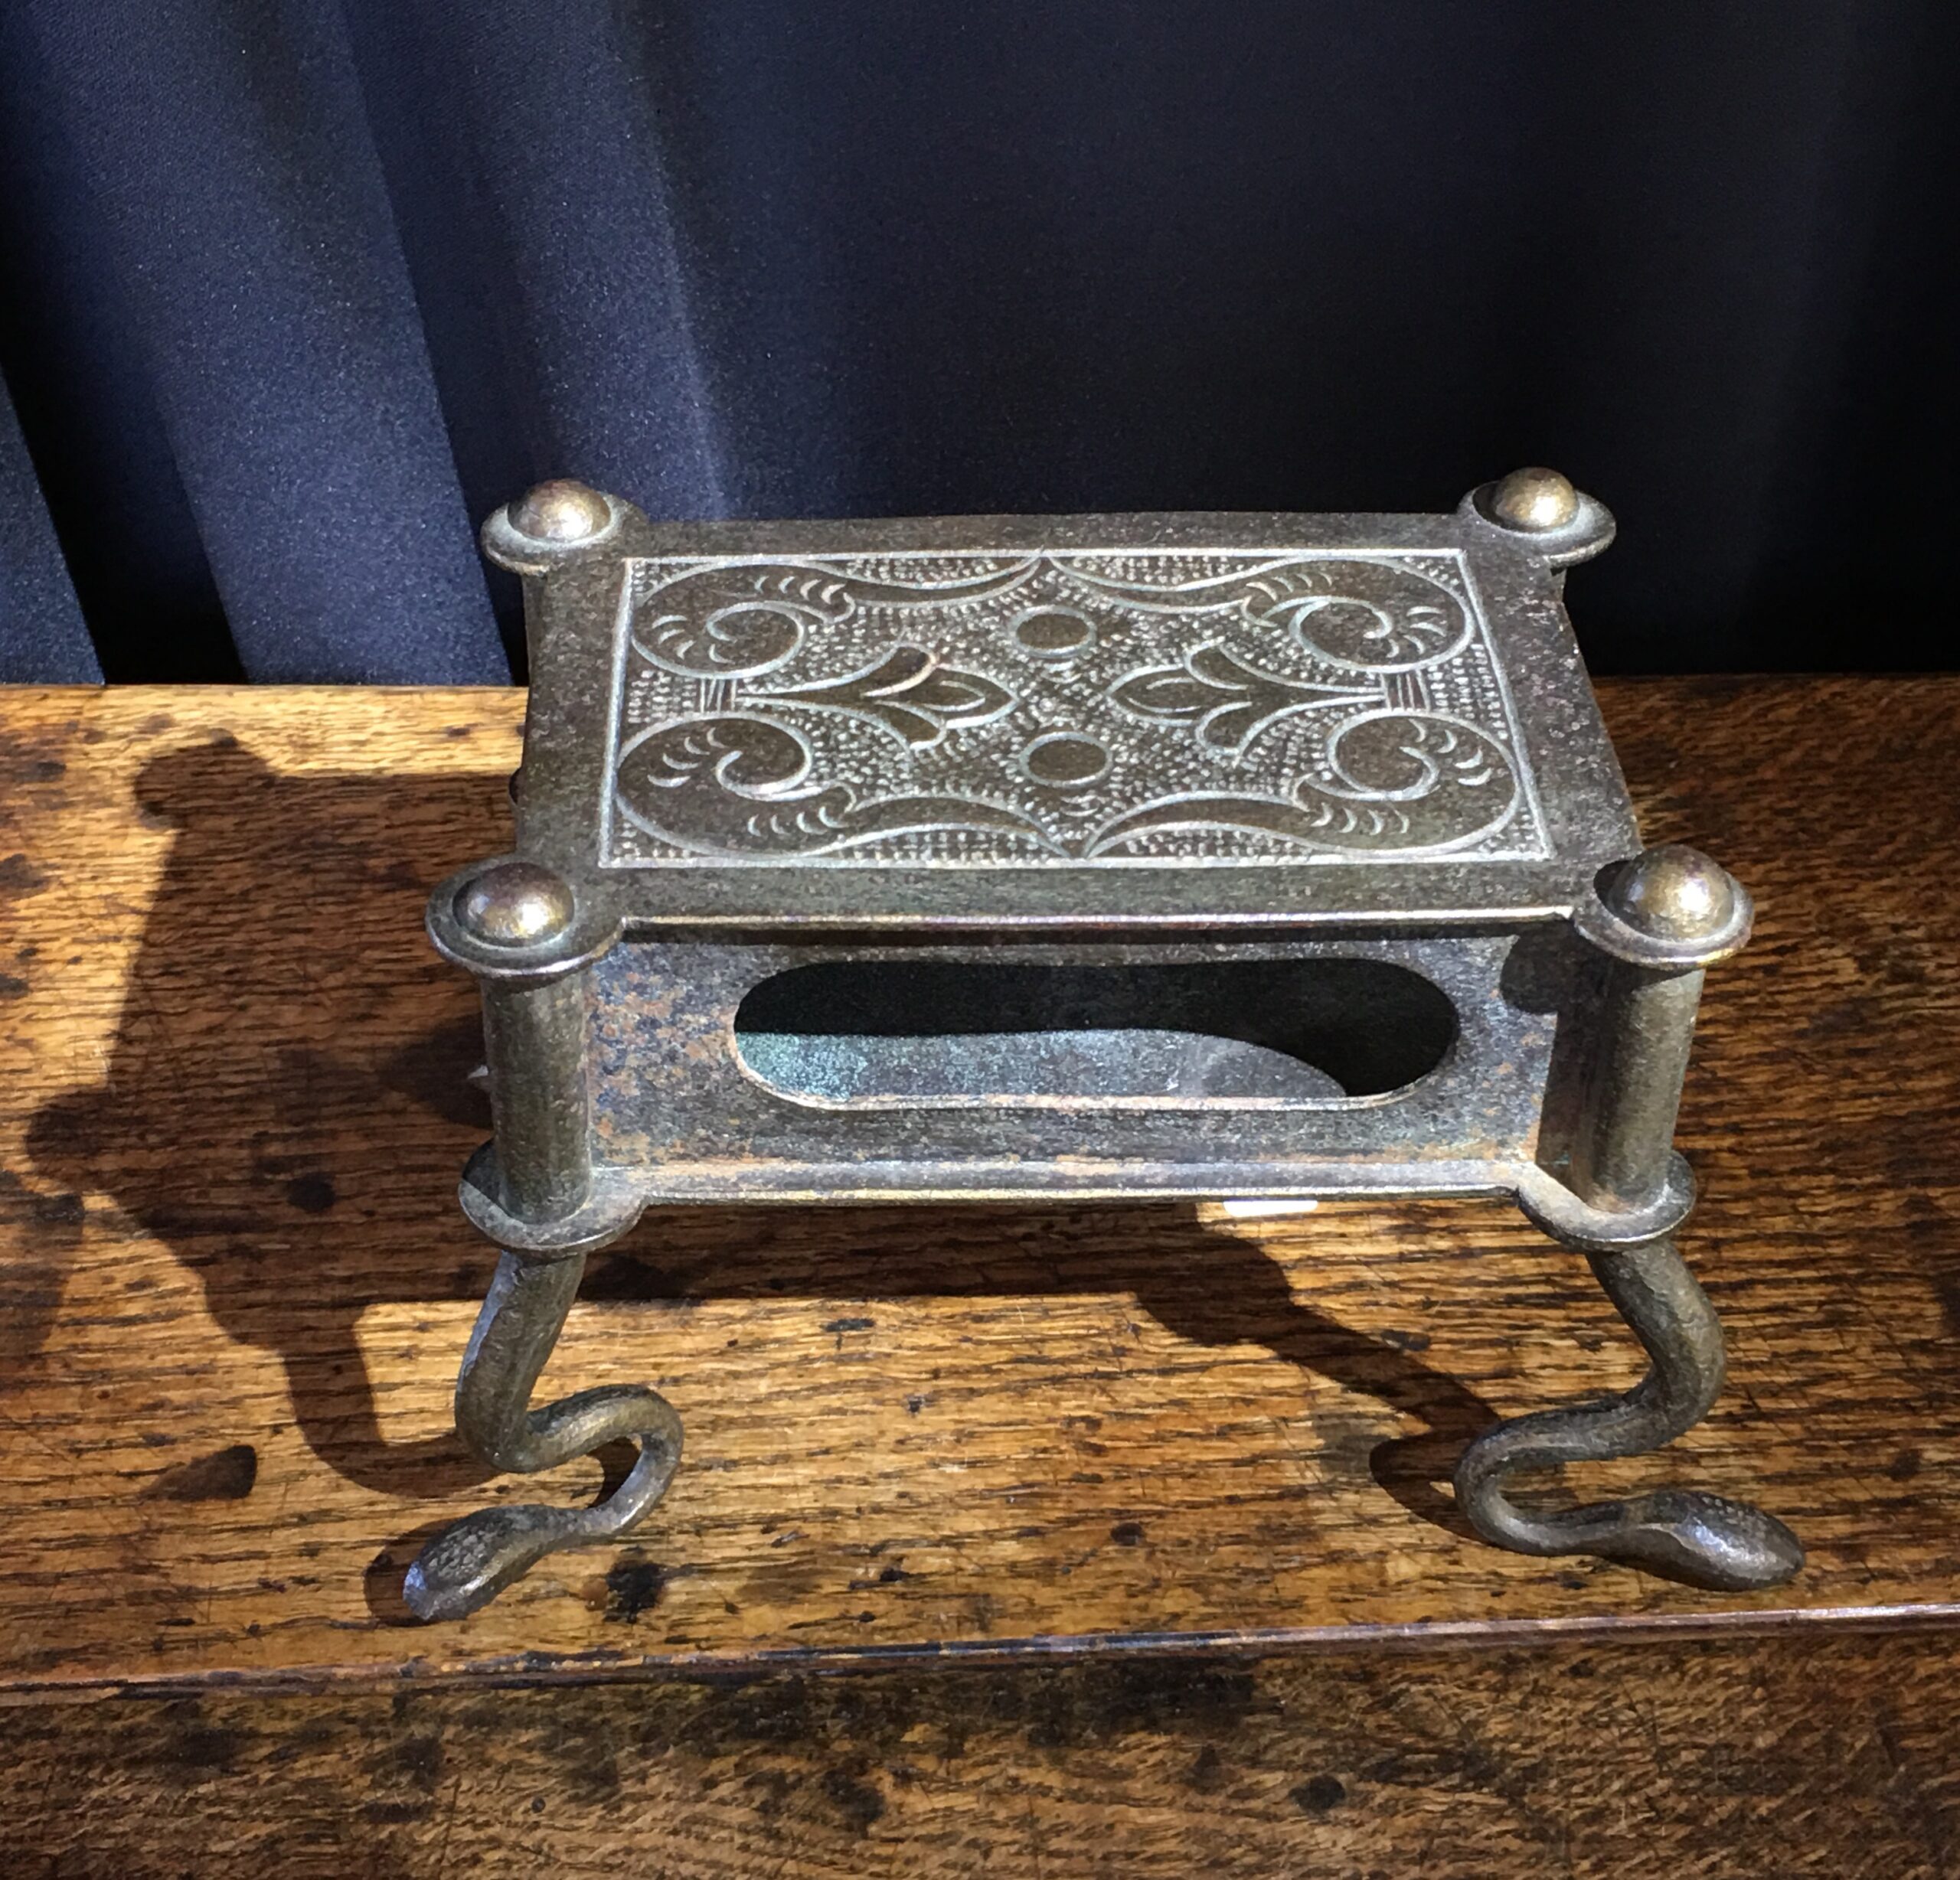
pixel 559 510
pixel 1533 500
pixel 515 904
pixel 1674 893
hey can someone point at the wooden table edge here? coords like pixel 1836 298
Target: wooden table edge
pixel 539 1669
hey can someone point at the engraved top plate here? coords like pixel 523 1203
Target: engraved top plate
pixel 901 709
pixel 1070 708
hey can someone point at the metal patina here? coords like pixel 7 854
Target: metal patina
pixel 1077 858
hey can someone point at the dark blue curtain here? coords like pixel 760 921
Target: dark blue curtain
pixel 295 290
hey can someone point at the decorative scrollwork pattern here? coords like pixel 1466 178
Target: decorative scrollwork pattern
pixel 1078 707
pixel 1389 773
pixel 741 785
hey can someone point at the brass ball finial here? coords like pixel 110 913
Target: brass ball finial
pixel 514 904
pixel 1534 501
pixel 1674 892
pixel 560 510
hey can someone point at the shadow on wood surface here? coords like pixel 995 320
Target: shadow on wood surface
pixel 286 1107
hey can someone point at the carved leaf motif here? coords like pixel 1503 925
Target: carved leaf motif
pixel 1227 703
pixel 1166 692
pixel 911 693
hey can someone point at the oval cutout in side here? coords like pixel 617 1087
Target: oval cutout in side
pixel 1260 1033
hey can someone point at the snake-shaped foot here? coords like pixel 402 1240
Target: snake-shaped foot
pixel 1706 1540
pixel 468 1565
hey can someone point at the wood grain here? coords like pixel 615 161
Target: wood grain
pixel 1834 1758
pixel 233 1284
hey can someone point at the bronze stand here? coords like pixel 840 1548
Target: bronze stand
pixel 1076 859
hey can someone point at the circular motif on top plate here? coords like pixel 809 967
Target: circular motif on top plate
pixel 1053 633
pixel 1066 760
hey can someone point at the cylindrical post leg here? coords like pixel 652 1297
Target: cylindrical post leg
pixel 533 1041
pixel 1668 914
pixel 1620 1159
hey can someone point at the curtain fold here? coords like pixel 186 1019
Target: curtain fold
pixel 293 291
pixel 238 201
pixel 43 637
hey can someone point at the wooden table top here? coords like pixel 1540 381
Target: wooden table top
pixel 234 1285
